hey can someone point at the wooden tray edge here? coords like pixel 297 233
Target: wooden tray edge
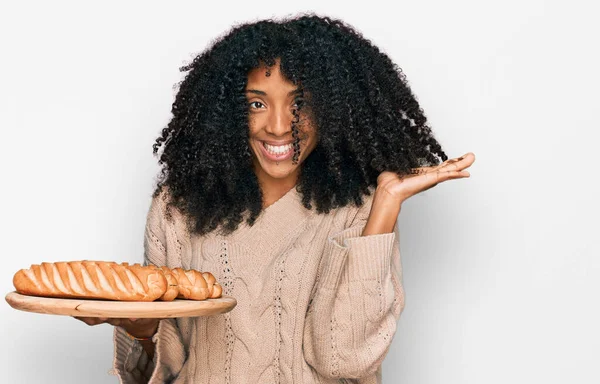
pixel 137 309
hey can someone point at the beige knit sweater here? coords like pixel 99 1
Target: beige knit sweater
pixel 317 303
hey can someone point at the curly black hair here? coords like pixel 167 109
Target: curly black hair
pixel 367 118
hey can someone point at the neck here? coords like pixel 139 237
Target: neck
pixel 274 192
pixel 273 189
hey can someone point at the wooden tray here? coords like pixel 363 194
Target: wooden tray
pixel 120 309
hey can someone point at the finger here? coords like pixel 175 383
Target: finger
pixel 465 160
pixel 82 319
pixel 115 321
pixel 442 176
pixel 434 178
pixel 120 322
pixel 89 320
pixel 421 170
pixel 450 164
pixel 459 163
pixel 455 164
pixel 469 158
pixel 440 166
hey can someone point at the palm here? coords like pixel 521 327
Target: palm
pixel 423 178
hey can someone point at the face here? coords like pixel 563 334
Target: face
pixel 271 100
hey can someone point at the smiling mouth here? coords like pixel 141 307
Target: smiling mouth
pixel 278 149
pixel 277 152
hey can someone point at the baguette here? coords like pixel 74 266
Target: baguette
pixel 196 285
pixel 172 285
pixel 92 280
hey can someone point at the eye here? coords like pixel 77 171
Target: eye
pixel 253 103
pixel 298 102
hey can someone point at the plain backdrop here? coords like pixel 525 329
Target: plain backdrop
pixel 501 270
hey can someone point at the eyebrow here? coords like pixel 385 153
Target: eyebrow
pixel 263 93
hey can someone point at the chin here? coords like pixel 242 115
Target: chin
pixel 281 171
pixel 270 167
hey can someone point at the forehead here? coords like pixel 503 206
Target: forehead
pixel 274 83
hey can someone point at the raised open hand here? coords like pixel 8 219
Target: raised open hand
pixel 401 188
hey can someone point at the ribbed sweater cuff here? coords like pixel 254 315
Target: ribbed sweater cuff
pixel 368 257
pixel 132 365
pixel 169 352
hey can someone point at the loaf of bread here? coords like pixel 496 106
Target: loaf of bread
pixel 195 285
pixel 172 285
pixel 112 281
pixel 92 280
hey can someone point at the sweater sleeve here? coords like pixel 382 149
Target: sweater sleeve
pixel 356 302
pixel 131 363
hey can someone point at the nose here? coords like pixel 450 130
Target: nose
pixel 279 122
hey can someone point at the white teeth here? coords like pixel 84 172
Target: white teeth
pixel 278 149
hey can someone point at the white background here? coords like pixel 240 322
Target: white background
pixel 501 270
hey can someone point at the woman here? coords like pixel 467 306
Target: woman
pixel 292 146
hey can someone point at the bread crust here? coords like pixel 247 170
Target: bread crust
pixel 196 285
pixel 109 280
pixel 92 280
pixel 172 285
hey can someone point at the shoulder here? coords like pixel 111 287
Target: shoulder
pixel 159 201
pixel 161 207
